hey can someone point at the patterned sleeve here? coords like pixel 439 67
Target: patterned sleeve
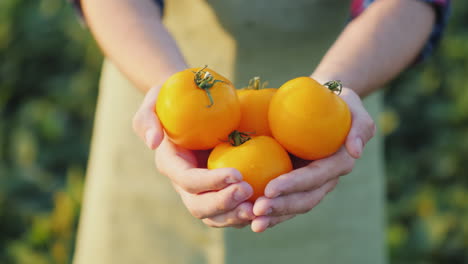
pixel 442 9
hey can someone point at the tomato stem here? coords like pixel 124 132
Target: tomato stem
pixel 205 81
pixel 256 84
pixel 335 86
pixel 237 138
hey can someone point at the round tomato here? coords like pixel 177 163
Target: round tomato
pixel 309 119
pixel 254 101
pixel 259 159
pixel 198 108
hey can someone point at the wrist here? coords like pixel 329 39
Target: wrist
pixel 164 73
pixel 322 77
pixel 346 80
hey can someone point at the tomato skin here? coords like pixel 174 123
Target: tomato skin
pixel 254 110
pixel 259 160
pixel 186 115
pixel 308 119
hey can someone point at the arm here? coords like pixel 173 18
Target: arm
pixel 131 34
pixel 379 44
pixel 371 50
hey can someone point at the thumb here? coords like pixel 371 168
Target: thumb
pixel 362 128
pixel 146 123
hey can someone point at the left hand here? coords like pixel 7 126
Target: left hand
pixel 300 190
pixel 217 197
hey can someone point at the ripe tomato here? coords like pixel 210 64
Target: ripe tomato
pixel 254 102
pixel 259 159
pixel 198 108
pixel 308 119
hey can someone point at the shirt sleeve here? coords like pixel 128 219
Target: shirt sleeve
pixel 442 10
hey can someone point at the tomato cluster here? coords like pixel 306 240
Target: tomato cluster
pixel 254 128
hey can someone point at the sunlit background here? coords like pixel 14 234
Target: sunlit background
pixel 49 69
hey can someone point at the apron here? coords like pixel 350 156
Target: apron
pixel 131 213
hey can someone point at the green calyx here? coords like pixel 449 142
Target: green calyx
pixel 334 86
pixel 205 80
pixel 237 138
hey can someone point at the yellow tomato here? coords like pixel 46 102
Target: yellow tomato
pixel 259 159
pixel 198 108
pixel 308 119
pixel 254 102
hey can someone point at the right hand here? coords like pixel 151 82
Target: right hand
pixel 217 197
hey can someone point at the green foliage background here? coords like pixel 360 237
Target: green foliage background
pixel 49 69
pixel 427 153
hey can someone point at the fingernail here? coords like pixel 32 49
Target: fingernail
pixel 274 195
pixel 244 215
pixel 240 195
pixel 234 177
pixel 230 180
pixel 358 144
pixel 269 211
pixel 149 138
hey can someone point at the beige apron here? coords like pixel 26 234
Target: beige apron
pixel 131 214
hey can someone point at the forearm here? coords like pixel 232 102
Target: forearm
pixel 132 35
pixel 376 46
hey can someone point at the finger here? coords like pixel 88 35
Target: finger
pixel 279 219
pixel 362 128
pixel 261 223
pixel 312 176
pixel 145 121
pixel 241 216
pixel 180 165
pixel 211 204
pixel 296 203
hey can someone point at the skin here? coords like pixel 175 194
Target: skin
pixel 370 51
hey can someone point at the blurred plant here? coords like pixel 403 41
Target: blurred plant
pixel 49 70
pixel 427 153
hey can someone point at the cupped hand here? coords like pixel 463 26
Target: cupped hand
pixel 217 197
pixel 300 190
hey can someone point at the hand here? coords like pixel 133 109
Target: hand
pixel 300 190
pixel 218 197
